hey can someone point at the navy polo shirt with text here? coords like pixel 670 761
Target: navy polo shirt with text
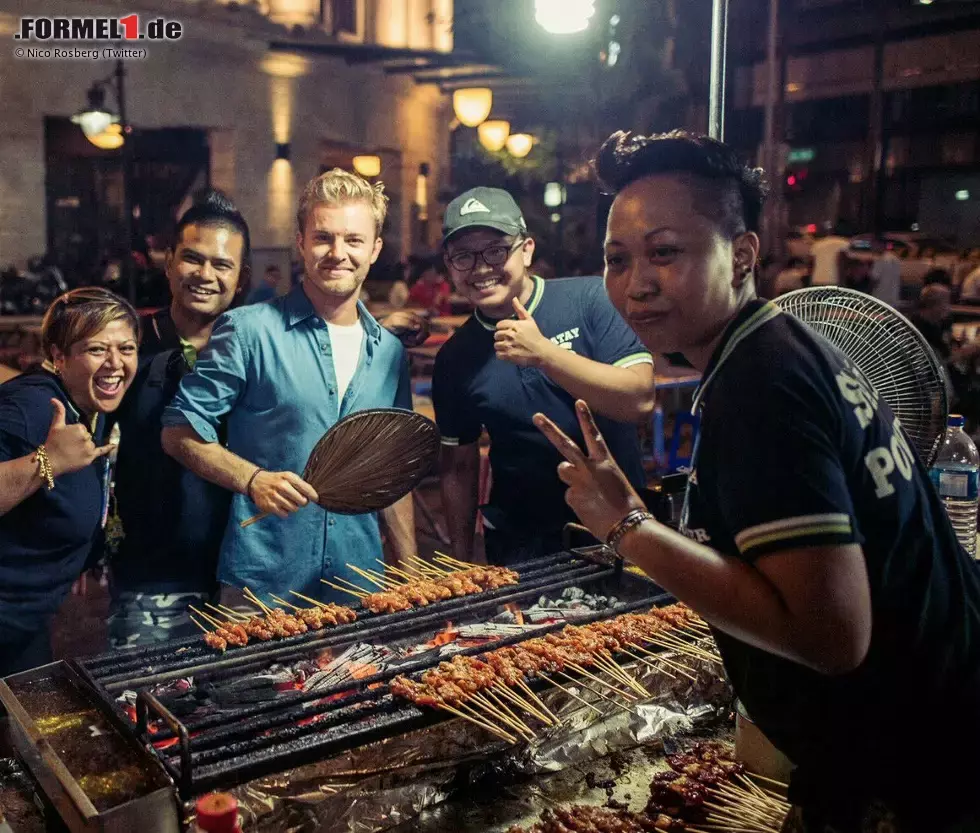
pixel 798 450
pixel 472 389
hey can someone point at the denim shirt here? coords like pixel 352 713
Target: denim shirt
pixel 269 368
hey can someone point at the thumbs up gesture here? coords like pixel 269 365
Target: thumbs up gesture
pixel 70 447
pixel 520 341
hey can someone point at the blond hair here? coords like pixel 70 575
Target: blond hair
pixel 80 314
pixel 340 186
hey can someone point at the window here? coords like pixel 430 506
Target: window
pixel 343 15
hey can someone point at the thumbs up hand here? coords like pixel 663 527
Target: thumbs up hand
pixel 520 341
pixel 70 447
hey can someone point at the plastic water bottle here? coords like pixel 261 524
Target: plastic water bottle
pixel 955 474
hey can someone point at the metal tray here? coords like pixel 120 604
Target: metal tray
pixel 153 812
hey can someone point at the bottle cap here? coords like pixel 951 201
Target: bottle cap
pixel 955 421
pixel 217 813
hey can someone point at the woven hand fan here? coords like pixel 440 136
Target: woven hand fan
pixel 369 460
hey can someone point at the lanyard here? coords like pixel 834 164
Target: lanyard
pixel 686 508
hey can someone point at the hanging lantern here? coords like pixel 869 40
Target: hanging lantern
pixel 493 134
pixel 519 144
pixel 367 166
pixel 109 139
pixel 472 105
pixel 95 118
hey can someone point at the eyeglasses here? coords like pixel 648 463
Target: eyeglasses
pixel 492 256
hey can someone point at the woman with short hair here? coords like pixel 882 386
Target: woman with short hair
pixel 813 542
pixel 54 476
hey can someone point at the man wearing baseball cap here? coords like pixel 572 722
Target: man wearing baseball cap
pixel 530 346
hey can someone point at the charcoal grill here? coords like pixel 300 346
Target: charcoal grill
pixel 231 746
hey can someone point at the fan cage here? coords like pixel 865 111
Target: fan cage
pixel 890 352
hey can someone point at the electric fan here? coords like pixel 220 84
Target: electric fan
pixel 888 350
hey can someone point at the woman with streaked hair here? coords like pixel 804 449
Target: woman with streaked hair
pixel 54 476
pixel 811 539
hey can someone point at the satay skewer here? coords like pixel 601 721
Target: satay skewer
pixel 463 565
pixel 569 692
pixel 397 571
pixel 427 566
pixel 360 593
pixel 615 670
pixel 308 599
pixel 208 618
pixel 595 678
pixel 202 627
pixel 256 600
pixel 530 693
pixel 494 730
pixel 585 685
pixel 384 584
pixel 520 703
pixel 515 724
pixel 232 617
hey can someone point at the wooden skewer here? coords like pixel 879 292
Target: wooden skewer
pixel 256 600
pixel 487 717
pixel 400 573
pixel 618 672
pixel 395 583
pixel 707 827
pixel 351 584
pixel 595 678
pixel 684 648
pixel 254 520
pixel 206 630
pixel 509 719
pixel 570 693
pixel 229 611
pixel 738 792
pixel 743 814
pixel 284 603
pixel 357 594
pixel 648 663
pixel 742 798
pixel 308 599
pixel 527 690
pixel 231 618
pixel 616 703
pixel 502 691
pixel 426 565
pixel 384 584
pixel 671 637
pixel 466 565
pixel 207 618
pixel 680 668
pixel 494 730
pixel 775 783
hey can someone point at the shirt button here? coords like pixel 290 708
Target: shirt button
pixel 331 522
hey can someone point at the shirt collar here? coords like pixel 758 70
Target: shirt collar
pixel 750 318
pixel 299 308
pixel 532 304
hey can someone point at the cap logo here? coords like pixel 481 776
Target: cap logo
pixel 473 206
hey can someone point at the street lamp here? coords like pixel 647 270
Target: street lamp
pixel 519 144
pixel 493 134
pixel 472 105
pixel 109 131
pixel 564 17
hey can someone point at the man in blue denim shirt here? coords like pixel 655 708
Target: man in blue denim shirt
pixel 281 374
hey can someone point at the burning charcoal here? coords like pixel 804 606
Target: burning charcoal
pixel 573 593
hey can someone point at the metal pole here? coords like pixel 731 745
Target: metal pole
pixel 771 147
pixel 128 272
pixel 719 46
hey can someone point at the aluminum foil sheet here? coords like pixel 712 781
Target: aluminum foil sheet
pixel 389 784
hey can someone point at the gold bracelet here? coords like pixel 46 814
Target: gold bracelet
pixel 631 521
pixel 44 467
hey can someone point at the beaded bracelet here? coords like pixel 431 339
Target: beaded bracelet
pixel 631 521
pixel 45 471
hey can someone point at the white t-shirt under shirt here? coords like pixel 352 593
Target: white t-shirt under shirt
pixel 345 344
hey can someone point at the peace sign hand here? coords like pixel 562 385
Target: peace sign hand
pixel 598 491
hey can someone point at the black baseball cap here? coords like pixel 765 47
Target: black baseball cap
pixel 483 208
